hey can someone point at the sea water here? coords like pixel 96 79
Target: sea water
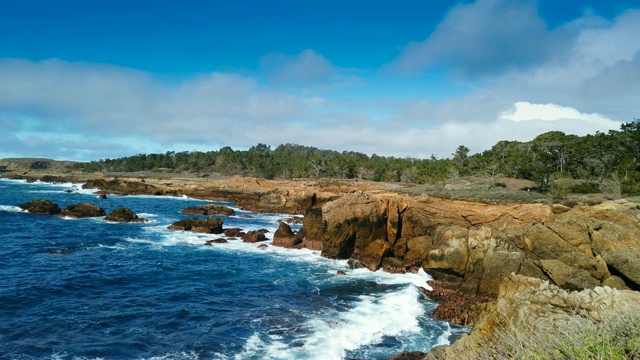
pixel 91 289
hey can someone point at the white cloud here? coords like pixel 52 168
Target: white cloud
pixel 487 37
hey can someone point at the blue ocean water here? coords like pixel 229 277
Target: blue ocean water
pixel 90 289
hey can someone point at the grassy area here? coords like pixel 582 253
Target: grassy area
pixel 615 338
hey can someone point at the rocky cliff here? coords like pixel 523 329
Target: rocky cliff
pixel 472 247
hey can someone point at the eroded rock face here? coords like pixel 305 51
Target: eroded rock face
pixel 82 211
pixel 122 214
pixel 41 206
pixel 472 248
pixel 371 257
pixel 207 226
pixel 209 209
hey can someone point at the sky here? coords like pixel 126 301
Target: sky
pixel 87 80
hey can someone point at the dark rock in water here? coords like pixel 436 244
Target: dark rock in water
pixel 340 272
pixel 245 216
pixel 82 211
pixel 255 236
pixel 285 237
pixel 68 191
pixel 234 232
pixel 42 206
pixel 122 214
pixel 263 246
pixel 102 196
pixel 207 226
pixel 215 241
pixel 209 209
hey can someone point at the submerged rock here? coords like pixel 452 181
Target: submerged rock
pixel 84 210
pixel 42 206
pixel 122 214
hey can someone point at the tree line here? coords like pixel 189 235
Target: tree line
pixel 599 159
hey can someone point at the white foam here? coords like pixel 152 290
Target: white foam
pixel 444 338
pixel 177 355
pixel 332 335
pixel 11 208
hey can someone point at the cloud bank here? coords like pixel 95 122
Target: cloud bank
pixel 521 79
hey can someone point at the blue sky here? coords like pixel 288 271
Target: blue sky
pixel 86 80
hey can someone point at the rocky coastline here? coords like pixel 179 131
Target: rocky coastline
pixel 493 264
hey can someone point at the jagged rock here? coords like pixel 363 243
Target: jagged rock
pixel 122 214
pixel 207 226
pixel 41 206
pixel 102 196
pixel 255 236
pixel 285 237
pixel 209 209
pixel 371 257
pixel 341 273
pixel 409 355
pixel 82 211
pixel 619 246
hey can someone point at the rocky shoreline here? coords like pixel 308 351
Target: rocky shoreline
pixel 491 262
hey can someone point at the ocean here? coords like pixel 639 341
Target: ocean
pixel 91 289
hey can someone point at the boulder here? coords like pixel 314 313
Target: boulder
pixel 254 236
pixel 285 237
pixel 371 257
pixel 82 211
pixel 122 214
pixel 42 206
pixel 207 226
pixel 209 209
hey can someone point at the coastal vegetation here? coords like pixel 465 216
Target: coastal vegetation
pixel 602 162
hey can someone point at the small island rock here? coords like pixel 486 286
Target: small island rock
pixel 42 206
pixel 122 214
pixel 82 211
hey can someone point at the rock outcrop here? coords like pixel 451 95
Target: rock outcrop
pixel 122 214
pixel 471 247
pixel 122 187
pixel 41 206
pixel 82 211
pixel 209 209
pixel 207 226
pixel 529 307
